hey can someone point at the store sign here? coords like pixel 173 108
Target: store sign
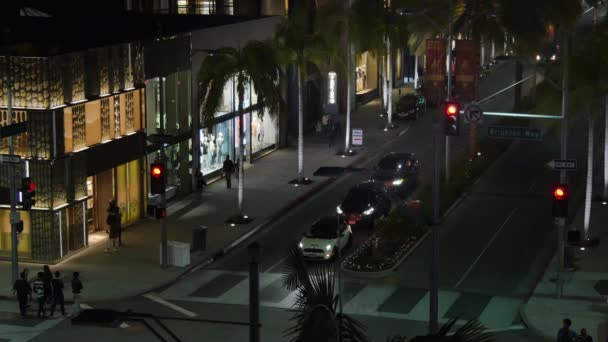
pixel 465 69
pixel 357 136
pixel 332 87
pixel 434 81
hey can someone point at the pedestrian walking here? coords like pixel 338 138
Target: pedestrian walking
pixel 114 221
pixel 48 283
pixel 40 293
pixel 332 134
pixel 584 337
pixel 113 208
pixel 201 183
pixel 565 334
pixel 23 290
pixel 76 290
pixel 228 169
pixel 58 294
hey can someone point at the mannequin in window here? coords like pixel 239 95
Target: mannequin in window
pixel 211 149
pixel 204 148
pixel 220 144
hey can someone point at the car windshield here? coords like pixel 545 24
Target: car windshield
pixel 407 101
pixel 356 198
pixel 323 229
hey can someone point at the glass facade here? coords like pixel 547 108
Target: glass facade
pixel 264 132
pixel 216 144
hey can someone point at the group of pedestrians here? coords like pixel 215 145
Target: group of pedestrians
pixel 566 334
pixel 47 289
pixel 328 127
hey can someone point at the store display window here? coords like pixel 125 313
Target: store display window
pixel 263 131
pixel 216 144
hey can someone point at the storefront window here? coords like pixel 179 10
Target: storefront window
pixel 263 131
pixel 366 70
pixel 128 187
pixel 216 144
pixel 245 131
pixel 226 103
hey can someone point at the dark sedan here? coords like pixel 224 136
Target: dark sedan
pixel 364 204
pixel 411 106
pixel 397 171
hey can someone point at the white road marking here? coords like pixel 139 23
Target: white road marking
pixel 485 248
pixel 85 306
pixel 154 298
pixel 275 265
pixel 405 130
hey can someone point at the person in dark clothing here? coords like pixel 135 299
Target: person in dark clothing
pixel 76 288
pixel 39 292
pixel 584 337
pixel 58 294
pixel 200 182
pixel 48 283
pixel 228 169
pixel 23 290
pixel 114 221
pixel 113 208
pixel 565 334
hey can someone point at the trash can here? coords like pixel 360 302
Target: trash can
pixel 199 238
pixel 179 253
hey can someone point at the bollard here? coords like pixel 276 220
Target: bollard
pixel 199 238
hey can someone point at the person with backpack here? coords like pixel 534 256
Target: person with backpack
pixel 40 293
pixel 565 334
pixel 23 290
pixel 58 294
pixel 76 289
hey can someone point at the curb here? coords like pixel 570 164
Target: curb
pixel 526 321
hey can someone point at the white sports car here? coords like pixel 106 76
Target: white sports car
pixel 322 242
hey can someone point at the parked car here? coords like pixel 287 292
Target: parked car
pixel 322 241
pixel 364 204
pixel 411 106
pixel 397 171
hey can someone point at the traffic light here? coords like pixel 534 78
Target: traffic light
pixel 28 193
pixel 158 174
pixel 560 200
pixel 160 213
pixel 452 118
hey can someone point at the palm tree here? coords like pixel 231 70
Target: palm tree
pixel 378 26
pixel 298 46
pixel 472 331
pixel 255 63
pixel 316 309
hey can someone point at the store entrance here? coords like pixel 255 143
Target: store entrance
pixel 104 192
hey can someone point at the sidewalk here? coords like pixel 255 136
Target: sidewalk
pixel 135 268
pixel 581 301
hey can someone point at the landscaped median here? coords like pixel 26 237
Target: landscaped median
pixel 399 233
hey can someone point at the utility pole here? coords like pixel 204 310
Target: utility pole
pixel 254 292
pixel 449 96
pixel 563 179
pixel 163 158
pixel 434 274
pixel 11 175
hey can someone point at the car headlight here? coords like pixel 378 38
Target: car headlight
pixel 301 245
pixel 339 210
pixel 328 248
pixel 398 181
pixel 368 211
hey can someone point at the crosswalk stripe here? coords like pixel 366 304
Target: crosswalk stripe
pixel 367 301
pixel 421 310
pixel 498 308
pixel 170 305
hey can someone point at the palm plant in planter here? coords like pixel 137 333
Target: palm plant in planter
pixel 317 314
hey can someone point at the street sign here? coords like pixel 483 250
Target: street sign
pixel 10 159
pixel 160 138
pixel 14 217
pixel 13 129
pixel 520 133
pixel 357 136
pixel 563 164
pixel 473 114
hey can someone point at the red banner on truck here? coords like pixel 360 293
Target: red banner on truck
pixel 466 66
pixel 434 78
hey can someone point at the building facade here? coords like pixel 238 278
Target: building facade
pixel 85 117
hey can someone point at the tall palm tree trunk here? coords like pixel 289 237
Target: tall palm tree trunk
pixel 241 90
pixel 589 183
pixel 348 96
pixel 300 125
pixel 605 193
pixel 389 83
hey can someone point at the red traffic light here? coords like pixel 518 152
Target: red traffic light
pixel 560 192
pixel 156 171
pixel 451 108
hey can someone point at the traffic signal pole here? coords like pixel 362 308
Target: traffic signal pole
pixel 163 198
pixel 13 183
pixel 563 179
pixel 434 274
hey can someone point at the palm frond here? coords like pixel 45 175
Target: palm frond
pixel 473 331
pixel 214 73
pixel 295 272
pixel 445 329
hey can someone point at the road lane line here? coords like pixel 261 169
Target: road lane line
pixel 485 248
pixel 275 265
pixel 405 130
pixel 170 305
